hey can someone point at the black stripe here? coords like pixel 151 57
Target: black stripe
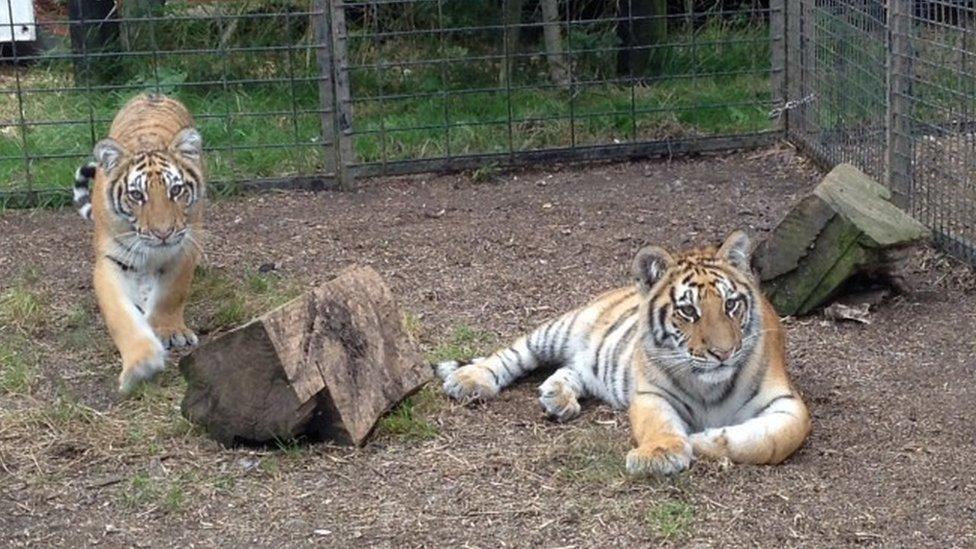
pixel 753 392
pixel 662 316
pixel 542 332
pixel 490 371
pixel 564 337
pixel 670 398
pixel 502 358
pixel 626 384
pixel 606 335
pixel 773 401
pixel 729 387
pixel 622 343
pixel 123 266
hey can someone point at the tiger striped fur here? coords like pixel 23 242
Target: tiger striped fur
pixel 693 349
pixel 84 175
pixel 147 208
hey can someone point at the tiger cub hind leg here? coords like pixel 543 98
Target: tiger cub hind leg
pixel 559 394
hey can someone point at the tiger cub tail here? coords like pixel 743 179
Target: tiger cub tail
pixel 84 176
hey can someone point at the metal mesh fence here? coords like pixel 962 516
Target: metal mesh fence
pixel 437 84
pixel 891 88
pixel 315 92
pixel 306 92
pixel 249 71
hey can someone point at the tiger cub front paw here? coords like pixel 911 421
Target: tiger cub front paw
pixel 179 338
pixel 140 363
pixel 665 456
pixel 471 382
pixel 711 444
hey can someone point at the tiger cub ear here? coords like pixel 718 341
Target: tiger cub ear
pixel 737 250
pixel 650 265
pixel 108 153
pixel 188 143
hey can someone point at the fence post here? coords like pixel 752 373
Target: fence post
pixel 778 69
pixel 899 73
pixel 808 85
pixel 340 78
pixel 330 52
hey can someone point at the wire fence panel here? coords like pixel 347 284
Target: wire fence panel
pixel 250 71
pixel 438 84
pixel 937 73
pixel 890 87
pixel 310 92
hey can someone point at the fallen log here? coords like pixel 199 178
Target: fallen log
pixel 325 365
pixel 845 228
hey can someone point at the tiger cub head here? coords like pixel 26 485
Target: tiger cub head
pixel 152 193
pixel 702 306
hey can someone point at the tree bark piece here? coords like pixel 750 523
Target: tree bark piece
pixel 846 227
pixel 326 365
pixel 558 72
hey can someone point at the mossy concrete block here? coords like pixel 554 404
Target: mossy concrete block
pixel 845 227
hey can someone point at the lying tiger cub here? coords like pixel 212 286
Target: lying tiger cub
pixel 693 348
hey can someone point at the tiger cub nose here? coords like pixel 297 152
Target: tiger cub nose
pixel 721 354
pixel 162 234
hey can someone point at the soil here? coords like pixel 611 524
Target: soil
pixel 894 401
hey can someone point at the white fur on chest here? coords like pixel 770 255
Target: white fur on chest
pixel 145 275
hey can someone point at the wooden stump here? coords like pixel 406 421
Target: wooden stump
pixel 846 227
pixel 327 365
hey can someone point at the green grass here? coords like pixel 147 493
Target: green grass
pixel 671 105
pixel 24 305
pixel 464 343
pixel 143 490
pixel 592 456
pixel 670 519
pixel 409 419
pixel 219 301
pixel 18 368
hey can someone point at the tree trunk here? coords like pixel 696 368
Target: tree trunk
pixel 94 29
pixel 643 24
pixel 326 365
pixel 512 18
pixel 140 35
pixel 558 72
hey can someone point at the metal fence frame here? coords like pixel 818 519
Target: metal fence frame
pixel 849 80
pixel 908 111
pixel 339 97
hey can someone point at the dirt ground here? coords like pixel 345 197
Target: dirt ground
pixel 890 461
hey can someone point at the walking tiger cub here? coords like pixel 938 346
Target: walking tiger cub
pixel 147 206
pixel 693 349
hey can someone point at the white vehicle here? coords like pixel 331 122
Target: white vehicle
pixel 17 21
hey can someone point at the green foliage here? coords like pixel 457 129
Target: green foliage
pixel 593 456
pixel 257 109
pixel 219 301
